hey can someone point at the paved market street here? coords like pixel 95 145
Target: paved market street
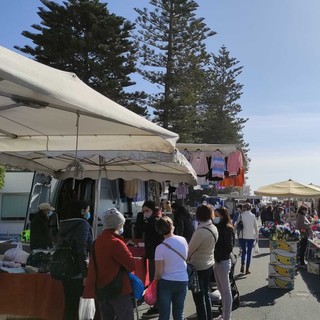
pixel 258 302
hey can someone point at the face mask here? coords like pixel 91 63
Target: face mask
pixel 216 220
pixel 121 231
pixel 50 213
pixel 147 214
pixel 87 216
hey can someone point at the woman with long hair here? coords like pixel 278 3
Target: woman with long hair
pixel 222 259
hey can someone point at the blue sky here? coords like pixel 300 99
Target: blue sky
pixel 278 44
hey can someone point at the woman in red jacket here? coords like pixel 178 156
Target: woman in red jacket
pixel 111 253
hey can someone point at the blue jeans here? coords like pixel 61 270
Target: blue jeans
pixel 246 246
pixel 171 292
pixel 202 299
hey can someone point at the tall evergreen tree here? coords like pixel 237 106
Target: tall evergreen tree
pixel 220 107
pixel 173 54
pixel 81 36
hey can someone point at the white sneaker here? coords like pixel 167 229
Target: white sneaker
pixel 218 318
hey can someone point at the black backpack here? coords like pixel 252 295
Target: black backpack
pixel 64 264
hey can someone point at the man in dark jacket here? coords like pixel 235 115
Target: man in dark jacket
pixel 39 228
pixel 151 239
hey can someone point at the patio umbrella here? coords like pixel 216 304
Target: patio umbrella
pixel 288 188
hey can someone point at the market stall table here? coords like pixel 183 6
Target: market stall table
pixel 38 295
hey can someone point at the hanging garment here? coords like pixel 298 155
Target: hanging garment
pixel 199 163
pixel 218 165
pixel 186 153
pixel 131 188
pixel 182 191
pixel 235 162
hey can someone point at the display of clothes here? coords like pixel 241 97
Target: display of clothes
pixel 215 166
pixel 182 191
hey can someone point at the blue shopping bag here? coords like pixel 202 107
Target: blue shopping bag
pixel 137 286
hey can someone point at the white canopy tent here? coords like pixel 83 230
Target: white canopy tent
pixel 53 123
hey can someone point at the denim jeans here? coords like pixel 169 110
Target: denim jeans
pixel 202 299
pixel 221 273
pixel 246 246
pixel 171 292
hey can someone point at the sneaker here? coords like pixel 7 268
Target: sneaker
pixel 218 318
pixel 151 313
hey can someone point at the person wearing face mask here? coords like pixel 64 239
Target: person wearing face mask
pixel 151 240
pixel 77 232
pixel 111 253
pixel 39 228
pixel 304 226
pixel 222 260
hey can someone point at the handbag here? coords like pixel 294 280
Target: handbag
pixel 87 309
pixel 137 286
pixel 193 282
pixel 240 224
pixel 151 294
pixel 112 289
pixel 256 247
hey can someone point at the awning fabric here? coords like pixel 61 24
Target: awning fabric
pixel 48 116
pixel 288 188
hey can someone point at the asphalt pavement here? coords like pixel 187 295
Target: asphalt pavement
pixel 259 302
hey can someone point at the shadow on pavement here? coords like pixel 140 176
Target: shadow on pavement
pixel 261 297
pixel 312 281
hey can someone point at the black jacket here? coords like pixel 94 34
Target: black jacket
pixel 78 234
pixel 224 244
pixel 151 238
pixel 183 226
pixel 39 232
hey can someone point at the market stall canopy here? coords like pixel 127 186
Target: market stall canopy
pixel 53 123
pixel 289 189
pixel 39 108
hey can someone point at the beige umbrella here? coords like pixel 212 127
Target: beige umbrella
pixel 288 188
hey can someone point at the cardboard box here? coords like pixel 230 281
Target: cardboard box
pixel 289 246
pixel 313 267
pixel 283 257
pixel 281 270
pixel 281 282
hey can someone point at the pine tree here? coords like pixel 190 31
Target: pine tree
pixel 81 36
pixel 220 106
pixel 173 55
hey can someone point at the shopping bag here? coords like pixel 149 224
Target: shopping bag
pixel 16 254
pixel 256 247
pixel 87 309
pixel 137 286
pixel 151 294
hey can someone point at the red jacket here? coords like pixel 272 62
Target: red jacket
pixel 111 253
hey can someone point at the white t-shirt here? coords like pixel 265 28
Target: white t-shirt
pixel 174 268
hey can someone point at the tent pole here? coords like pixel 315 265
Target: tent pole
pixel 96 205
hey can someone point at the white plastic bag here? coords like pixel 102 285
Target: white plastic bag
pixel 87 309
pixel 256 247
pixel 16 254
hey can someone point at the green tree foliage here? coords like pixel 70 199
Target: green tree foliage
pixel 173 54
pixel 2 176
pixel 220 108
pixel 81 36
